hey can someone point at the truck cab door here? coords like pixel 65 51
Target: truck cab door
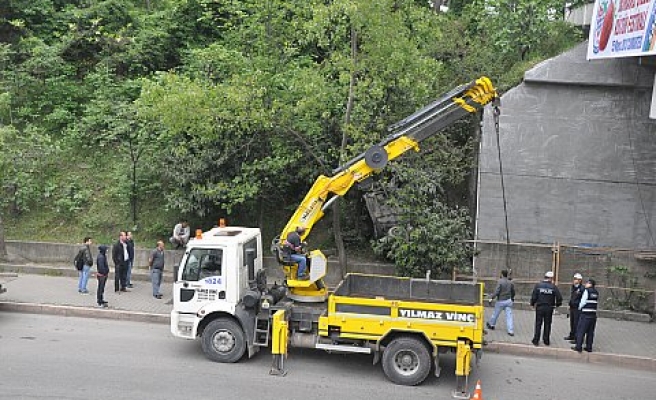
pixel 201 279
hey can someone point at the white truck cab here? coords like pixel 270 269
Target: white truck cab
pixel 216 273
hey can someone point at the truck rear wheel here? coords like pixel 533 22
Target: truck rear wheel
pixel 406 361
pixel 223 341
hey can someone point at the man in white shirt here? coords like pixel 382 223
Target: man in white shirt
pixel 181 233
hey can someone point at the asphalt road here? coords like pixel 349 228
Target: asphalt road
pixel 51 357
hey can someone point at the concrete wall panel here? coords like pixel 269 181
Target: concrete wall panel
pixel 579 156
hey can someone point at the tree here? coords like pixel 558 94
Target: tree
pixel 111 121
pixel 227 106
pixel 431 234
pixel 519 29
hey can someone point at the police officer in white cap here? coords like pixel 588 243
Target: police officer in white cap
pixel 588 318
pixel 544 298
pixel 574 300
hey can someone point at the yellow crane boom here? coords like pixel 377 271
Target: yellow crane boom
pixel 404 135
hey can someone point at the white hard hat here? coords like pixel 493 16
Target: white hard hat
pixel 549 274
pixel 578 276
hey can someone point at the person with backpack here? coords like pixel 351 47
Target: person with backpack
pixel 102 274
pixel 83 264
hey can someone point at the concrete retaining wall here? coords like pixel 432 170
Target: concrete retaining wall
pixel 61 255
pixel 578 148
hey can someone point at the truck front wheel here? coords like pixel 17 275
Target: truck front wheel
pixel 223 341
pixel 406 361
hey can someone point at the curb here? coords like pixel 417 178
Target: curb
pixel 84 312
pixel 616 360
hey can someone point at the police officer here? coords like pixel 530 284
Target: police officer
pixel 574 302
pixel 544 298
pixel 588 318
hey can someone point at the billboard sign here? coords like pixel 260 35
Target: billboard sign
pixel 622 28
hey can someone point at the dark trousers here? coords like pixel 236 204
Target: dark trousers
pixel 120 277
pixel 101 289
pixel 543 315
pixel 574 315
pixel 586 327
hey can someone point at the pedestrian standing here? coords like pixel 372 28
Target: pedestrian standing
pixel 574 301
pixel 505 295
pixel 85 253
pixel 120 257
pixel 156 263
pixel 544 299
pixel 130 243
pixel 588 318
pixel 102 273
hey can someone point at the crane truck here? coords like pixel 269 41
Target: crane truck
pixel 221 294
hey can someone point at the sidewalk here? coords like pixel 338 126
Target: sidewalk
pixel 58 295
pixel 619 343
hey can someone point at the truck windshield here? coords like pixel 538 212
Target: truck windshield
pixel 202 263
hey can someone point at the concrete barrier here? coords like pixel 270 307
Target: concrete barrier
pixel 35 255
pixel 62 254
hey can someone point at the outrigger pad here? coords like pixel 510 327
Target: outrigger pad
pixel 277 368
pixel 460 391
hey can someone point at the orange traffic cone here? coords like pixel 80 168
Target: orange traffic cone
pixel 478 393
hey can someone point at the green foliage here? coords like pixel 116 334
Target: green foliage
pixel 429 239
pixel 624 292
pixel 431 233
pixel 515 27
pixel 23 158
pixel 123 113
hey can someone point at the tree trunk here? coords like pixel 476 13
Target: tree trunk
pixel 135 156
pixel 134 192
pixel 3 246
pixel 337 223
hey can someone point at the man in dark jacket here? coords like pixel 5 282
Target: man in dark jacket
pixel 505 295
pixel 574 300
pixel 120 257
pixel 102 274
pixel 544 299
pixel 130 242
pixel 156 263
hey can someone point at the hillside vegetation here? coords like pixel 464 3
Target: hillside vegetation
pixel 129 114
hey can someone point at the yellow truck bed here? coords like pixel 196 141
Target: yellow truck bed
pixel 371 307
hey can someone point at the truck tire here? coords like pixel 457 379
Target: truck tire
pixel 406 361
pixel 223 341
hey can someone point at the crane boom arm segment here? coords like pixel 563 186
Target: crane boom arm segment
pixel 405 135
